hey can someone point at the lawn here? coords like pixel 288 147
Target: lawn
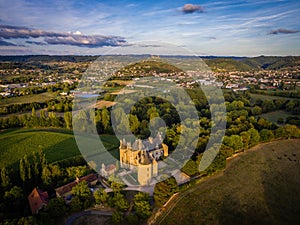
pixel 27 99
pixel 57 144
pixel 260 186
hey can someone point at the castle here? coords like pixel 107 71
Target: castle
pixel 142 156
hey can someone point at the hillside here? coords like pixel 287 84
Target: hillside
pixel 272 62
pixel 227 64
pixel 216 63
pixel 146 68
pixel 260 186
pixel 58 144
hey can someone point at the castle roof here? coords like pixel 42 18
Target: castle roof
pixel 149 145
pixel 145 158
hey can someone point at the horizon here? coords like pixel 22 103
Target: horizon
pixel 206 28
pixel 162 55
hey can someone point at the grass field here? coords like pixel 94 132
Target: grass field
pixel 57 144
pixel 274 116
pixel 260 186
pixel 27 99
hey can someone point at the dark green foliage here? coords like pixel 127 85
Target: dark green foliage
pixel 190 168
pixel 117 217
pixel 56 207
pixel 142 205
pixel 164 190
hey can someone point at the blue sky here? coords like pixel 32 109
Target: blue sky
pixel 222 27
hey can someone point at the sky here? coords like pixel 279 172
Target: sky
pixel 221 27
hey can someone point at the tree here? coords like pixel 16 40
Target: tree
pixel 22 170
pixel 266 135
pixel 143 209
pixel 254 137
pixel 100 196
pixel 117 186
pixel 76 204
pixel 5 180
pixel 14 198
pixel 268 106
pixel 117 217
pixel 164 190
pixel 68 119
pixel 134 123
pixel 246 136
pixel 105 117
pixel 120 202
pixel 77 171
pixel 82 191
pixel 142 205
pixel 190 168
pixel 234 141
pixel 56 207
pixel 256 110
pixel 27 221
pixel 51 174
pixel 288 131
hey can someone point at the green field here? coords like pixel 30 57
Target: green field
pixel 57 144
pixel 260 186
pixel 274 116
pixel 27 99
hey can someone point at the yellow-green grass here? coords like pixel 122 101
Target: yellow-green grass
pixel 58 144
pixel 260 186
pixel 27 99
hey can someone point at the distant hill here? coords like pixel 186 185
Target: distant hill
pixel 216 63
pixel 228 64
pixel 272 62
pixel 147 67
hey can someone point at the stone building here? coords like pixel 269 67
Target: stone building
pixel 142 156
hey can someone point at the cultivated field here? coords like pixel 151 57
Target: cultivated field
pixel 57 144
pixel 260 186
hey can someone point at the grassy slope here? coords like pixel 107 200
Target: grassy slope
pixel 227 65
pixel 260 186
pixel 57 144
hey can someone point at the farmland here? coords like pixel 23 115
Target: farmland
pixel 57 144
pixel 261 186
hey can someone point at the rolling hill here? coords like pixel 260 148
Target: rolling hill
pixel 260 186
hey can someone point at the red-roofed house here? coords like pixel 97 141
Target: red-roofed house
pixel 66 190
pixel 37 200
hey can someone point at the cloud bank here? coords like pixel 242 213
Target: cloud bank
pixel 5 43
pixel 283 31
pixel 190 8
pixel 59 38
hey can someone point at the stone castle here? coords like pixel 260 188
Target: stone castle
pixel 142 156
